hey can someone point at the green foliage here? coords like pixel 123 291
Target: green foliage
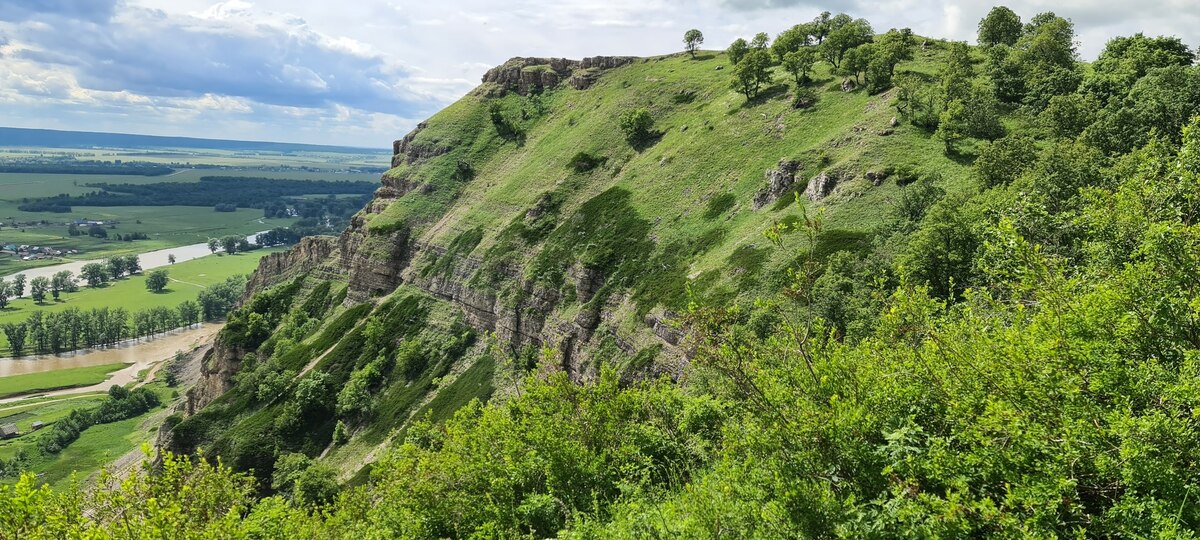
pixel 584 162
pixel 637 126
pixel 1004 160
pixel 800 64
pixel 737 50
pixel 692 39
pixel 844 37
pixel 1124 60
pixel 804 98
pixel 953 124
pixel 1066 116
pixel 942 251
pixel 157 280
pixel 752 72
pixel 1001 26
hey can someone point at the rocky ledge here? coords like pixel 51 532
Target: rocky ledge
pixel 532 75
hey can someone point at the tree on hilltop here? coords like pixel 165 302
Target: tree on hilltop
pixel 692 39
pixel 1001 26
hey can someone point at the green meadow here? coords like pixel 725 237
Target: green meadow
pixel 187 279
pixel 96 447
pixel 54 380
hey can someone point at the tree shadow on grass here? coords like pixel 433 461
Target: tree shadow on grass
pixel 764 96
pixel 647 142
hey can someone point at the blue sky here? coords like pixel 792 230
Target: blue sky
pixel 363 72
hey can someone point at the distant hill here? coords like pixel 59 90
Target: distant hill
pixel 87 139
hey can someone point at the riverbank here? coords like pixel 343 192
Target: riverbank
pixel 138 355
pixel 149 260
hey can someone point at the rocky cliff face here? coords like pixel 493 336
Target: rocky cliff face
pixel 532 75
pixel 222 361
pixel 312 252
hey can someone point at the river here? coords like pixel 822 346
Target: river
pixel 138 355
pixel 149 260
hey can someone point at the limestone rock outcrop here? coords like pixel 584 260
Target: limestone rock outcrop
pixel 532 75
pixel 821 186
pixel 779 181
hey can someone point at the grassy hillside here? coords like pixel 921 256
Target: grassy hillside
pixel 689 193
pixel 984 324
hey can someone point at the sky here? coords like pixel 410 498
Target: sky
pixel 364 72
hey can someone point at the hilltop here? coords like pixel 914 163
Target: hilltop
pixel 841 283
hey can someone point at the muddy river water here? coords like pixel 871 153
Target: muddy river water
pixel 138 355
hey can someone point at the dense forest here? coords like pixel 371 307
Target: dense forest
pixel 1014 357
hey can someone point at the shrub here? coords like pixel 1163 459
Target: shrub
pixel 636 125
pixel 804 97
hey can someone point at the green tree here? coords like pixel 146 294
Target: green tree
pixel 61 282
pixel 1003 161
pixel 1125 60
pixel 316 486
pixel 116 267
pixel 821 25
pixel 189 312
pixel 942 251
pixel 5 293
pixel 856 60
pixel 692 39
pixel 214 245
pixel 1001 26
pixel 637 126
pixel 132 264
pixel 737 50
pixel 983 116
pixel 16 333
pixel 1066 116
pixel 844 38
pixel 752 73
pixel 800 63
pixel 38 288
pixel 957 72
pixel 761 41
pixel 157 280
pixel 230 244
pixel 894 47
pixel 95 274
pixel 791 40
pixel 953 125
pixel 18 286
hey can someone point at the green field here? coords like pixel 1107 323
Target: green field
pixel 261 162
pixel 46 410
pixel 54 380
pixel 95 448
pixel 187 279
pixel 167 226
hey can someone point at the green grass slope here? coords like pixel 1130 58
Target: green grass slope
pixel 681 205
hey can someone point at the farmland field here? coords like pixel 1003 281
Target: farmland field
pixel 96 447
pixel 187 279
pixel 54 380
pixel 166 226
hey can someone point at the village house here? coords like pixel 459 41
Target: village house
pixel 8 431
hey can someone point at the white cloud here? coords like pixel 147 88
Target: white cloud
pixel 363 72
